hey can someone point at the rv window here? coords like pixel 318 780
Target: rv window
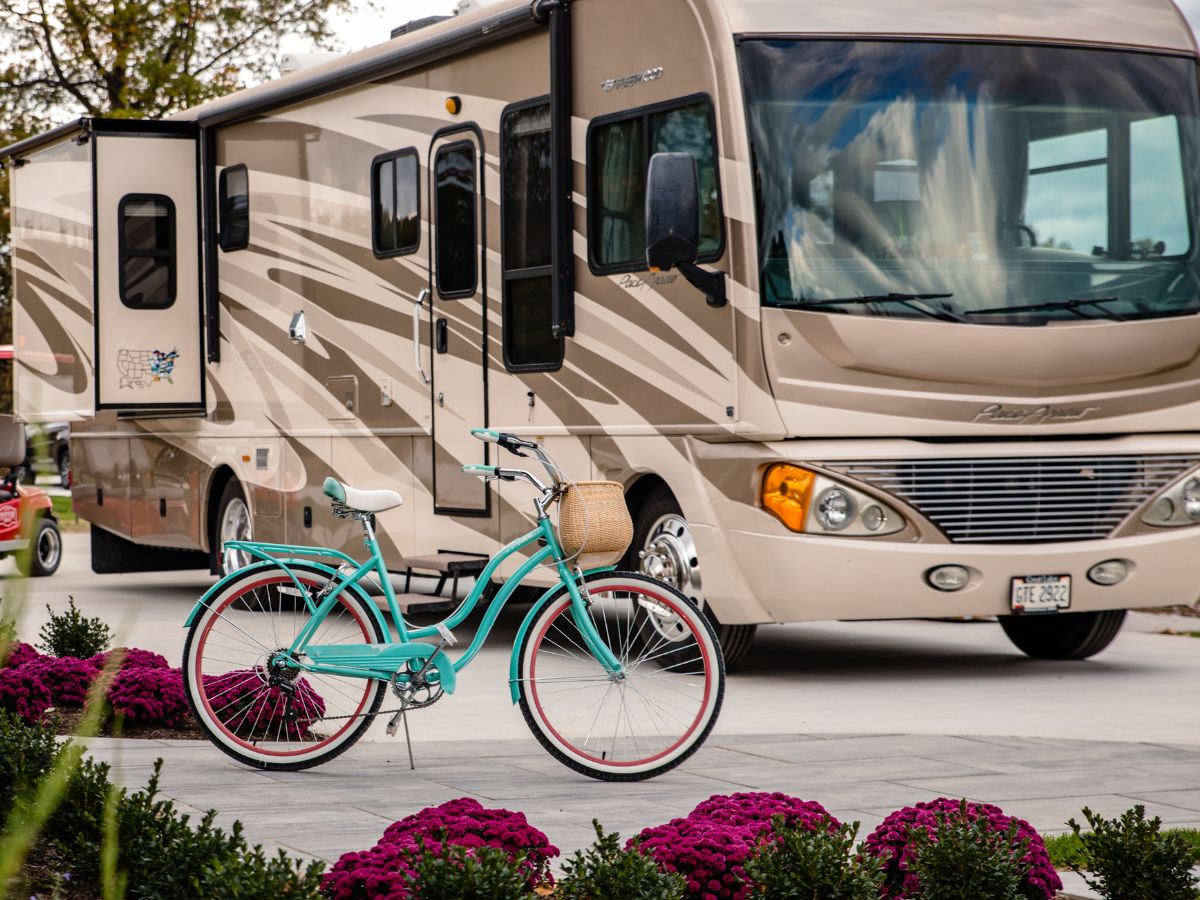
pixel 619 151
pixel 146 278
pixel 529 341
pixel 454 201
pixel 234 192
pixel 395 203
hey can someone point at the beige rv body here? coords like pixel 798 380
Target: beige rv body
pixel 656 387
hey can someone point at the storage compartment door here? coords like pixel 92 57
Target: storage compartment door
pixel 53 284
pixel 148 340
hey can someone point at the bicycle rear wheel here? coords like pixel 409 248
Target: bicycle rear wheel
pixel 639 724
pixel 273 717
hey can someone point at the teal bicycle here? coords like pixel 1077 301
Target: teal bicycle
pixel 288 660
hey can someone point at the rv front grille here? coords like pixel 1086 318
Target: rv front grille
pixel 1007 500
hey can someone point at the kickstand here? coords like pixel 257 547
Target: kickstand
pixel 402 716
pixel 408 740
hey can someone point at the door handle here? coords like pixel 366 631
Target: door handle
pixel 417 335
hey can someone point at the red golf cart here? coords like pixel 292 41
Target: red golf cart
pixel 28 527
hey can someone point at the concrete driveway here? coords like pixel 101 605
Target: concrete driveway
pixel 863 716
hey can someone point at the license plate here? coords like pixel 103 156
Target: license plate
pixel 1041 593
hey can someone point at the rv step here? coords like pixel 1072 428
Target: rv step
pixel 410 603
pixel 445 565
pixel 448 563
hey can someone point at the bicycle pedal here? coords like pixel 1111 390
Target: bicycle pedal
pixel 447 635
pixel 394 724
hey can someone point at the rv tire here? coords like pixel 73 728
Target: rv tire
pixel 672 561
pixel 232 521
pixel 1063 635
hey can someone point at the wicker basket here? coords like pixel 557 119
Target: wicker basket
pixel 594 522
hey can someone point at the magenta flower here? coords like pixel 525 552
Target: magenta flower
pixel 891 843
pixel 248 706
pixel 19 654
pixel 23 693
pixel 150 696
pixel 68 678
pixel 710 845
pixel 134 658
pixel 384 871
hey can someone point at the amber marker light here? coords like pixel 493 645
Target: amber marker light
pixel 786 493
pixel 453 105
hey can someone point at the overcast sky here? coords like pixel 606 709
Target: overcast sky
pixel 366 27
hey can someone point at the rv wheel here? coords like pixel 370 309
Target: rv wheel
pixel 45 550
pixel 1063 635
pixel 233 523
pixel 663 548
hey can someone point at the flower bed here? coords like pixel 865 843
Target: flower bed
pixel 709 846
pixel 386 870
pixel 892 842
pixel 240 700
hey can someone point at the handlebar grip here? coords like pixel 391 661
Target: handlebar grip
pixel 486 435
pixel 480 470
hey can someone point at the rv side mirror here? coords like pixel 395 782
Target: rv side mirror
pixel 672 211
pixel 673 223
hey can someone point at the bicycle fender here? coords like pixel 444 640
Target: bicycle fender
pixel 514 663
pixel 286 565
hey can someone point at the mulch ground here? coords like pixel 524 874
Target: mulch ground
pixel 66 722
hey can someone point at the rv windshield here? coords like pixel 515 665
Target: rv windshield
pixel 1006 183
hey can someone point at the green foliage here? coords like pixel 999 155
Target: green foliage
pixel 26 754
pixel 1066 850
pixel 605 870
pixel 147 58
pixel 1132 858
pixel 70 634
pixel 136 840
pixel 965 860
pixel 465 873
pixel 816 864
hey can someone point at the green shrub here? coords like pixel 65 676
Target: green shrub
pixel 1131 858
pixel 813 864
pixel 606 870
pixel 465 873
pixel 969 860
pixel 70 634
pixel 26 754
pixel 159 853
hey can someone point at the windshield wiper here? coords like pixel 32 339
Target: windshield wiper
pixel 918 302
pixel 1072 306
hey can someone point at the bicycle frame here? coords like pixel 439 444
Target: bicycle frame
pixel 381 661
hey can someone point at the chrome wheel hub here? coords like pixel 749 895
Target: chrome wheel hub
pixel 235 526
pixel 49 546
pixel 669 555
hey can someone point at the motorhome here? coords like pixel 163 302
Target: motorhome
pixel 924 344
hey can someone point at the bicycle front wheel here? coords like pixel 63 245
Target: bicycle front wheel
pixel 253 705
pixel 646 720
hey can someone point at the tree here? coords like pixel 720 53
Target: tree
pixel 60 59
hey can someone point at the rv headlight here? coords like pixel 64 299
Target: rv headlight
pixel 1177 505
pixel 809 502
pixel 1191 498
pixel 835 509
pixel 786 491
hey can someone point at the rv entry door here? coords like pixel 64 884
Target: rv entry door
pixel 459 332
pixel 147 304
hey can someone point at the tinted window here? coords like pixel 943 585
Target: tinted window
pixel 620 152
pixel 147 251
pixel 396 226
pixel 234 205
pixel 529 341
pixel 454 202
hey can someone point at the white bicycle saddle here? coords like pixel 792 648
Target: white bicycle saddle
pixel 363 501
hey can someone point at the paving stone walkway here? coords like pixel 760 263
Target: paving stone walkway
pixel 347 803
